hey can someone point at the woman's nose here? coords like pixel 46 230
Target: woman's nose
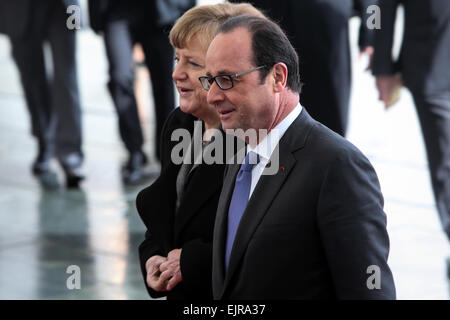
pixel 179 73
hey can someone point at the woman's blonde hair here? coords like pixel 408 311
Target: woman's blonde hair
pixel 202 22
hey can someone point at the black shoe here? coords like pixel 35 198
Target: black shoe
pixel 41 164
pixel 72 169
pixel 133 172
pixel 137 177
pixel 135 159
pixel 73 177
pixel 48 180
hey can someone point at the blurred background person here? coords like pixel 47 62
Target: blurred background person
pixel 51 92
pixel 179 208
pixel 123 24
pixel 423 66
pixel 318 30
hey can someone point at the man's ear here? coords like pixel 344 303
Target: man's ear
pixel 280 74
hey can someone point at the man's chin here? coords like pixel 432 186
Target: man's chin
pixel 227 125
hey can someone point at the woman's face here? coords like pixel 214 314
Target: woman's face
pixel 190 65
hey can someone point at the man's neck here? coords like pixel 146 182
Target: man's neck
pixel 288 101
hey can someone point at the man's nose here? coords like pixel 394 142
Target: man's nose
pixel 215 94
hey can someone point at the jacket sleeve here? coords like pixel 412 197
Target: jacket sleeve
pixel 352 225
pixel 366 35
pixel 383 63
pixel 165 149
pixel 148 249
pixel 168 11
pixel 196 266
pixel 98 10
pixel 156 233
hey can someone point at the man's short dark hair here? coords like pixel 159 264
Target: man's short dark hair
pixel 270 46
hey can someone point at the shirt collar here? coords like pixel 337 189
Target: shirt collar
pixel 268 144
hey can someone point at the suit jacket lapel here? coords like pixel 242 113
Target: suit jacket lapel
pixel 202 182
pixel 261 199
pixel 197 194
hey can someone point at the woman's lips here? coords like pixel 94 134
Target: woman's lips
pixel 184 91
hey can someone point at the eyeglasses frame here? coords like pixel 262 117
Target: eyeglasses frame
pixel 231 76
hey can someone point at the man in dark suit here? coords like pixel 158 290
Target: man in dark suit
pixel 53 103
pixel 316 228
pixel 424 65
pixel 318 30
pixel 124 23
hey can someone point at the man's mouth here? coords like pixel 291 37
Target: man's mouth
pixel 225 111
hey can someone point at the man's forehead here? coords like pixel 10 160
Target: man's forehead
pixel 229 48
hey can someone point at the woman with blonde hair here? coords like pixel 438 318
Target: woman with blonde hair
pixel 179 208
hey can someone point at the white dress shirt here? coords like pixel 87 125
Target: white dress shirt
pixel 266 147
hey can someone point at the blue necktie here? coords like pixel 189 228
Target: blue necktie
pixel 239 200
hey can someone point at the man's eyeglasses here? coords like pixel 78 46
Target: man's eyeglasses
pixel 224 81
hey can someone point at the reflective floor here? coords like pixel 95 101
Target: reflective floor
pixel 97 228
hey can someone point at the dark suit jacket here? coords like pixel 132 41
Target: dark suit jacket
pixel 16 16
pixel 191 227
pixel 424 60
pixel 309 232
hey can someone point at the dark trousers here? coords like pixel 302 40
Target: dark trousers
pixel 120 37
pixel 119 50
pixel 53 101
pixel 434 117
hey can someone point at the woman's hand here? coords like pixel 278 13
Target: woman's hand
pixel 154 280
pixel 170 270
